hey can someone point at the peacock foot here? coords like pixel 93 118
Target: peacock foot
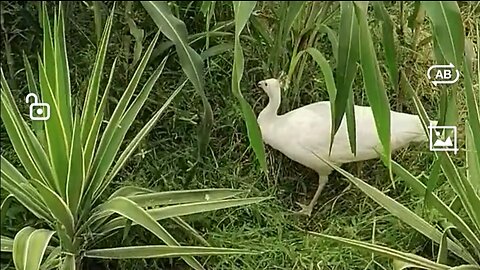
pixel 306 209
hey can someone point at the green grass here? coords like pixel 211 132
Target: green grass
pixel 165 159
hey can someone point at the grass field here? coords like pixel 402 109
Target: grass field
pixel 165 159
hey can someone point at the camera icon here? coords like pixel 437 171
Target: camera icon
pixel 38 110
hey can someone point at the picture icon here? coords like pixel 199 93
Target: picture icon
pixel 445 138
pixel 38 110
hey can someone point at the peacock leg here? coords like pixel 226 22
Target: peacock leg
pixel 307 209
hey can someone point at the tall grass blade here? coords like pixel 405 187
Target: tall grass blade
pixel 191 62
pixel 243 10
pixel 416 260
pixel 448 29
pixel 388 41
pixel 373 82
pixel 348 55
pixel 403 213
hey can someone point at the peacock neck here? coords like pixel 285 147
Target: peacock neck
pixel 270 111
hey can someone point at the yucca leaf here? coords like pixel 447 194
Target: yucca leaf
pixel 133 212
pixel 56 134
pixel 14 182
pixel 92 137
pixel 114 132
pixel 36 247
pixel 348 55
pixel 76 169
pixel 37 126
pixel 448 29
pixel 6 244
pixel 157 251
pixel 69 262
pixel 88 112
pixel 179 210
pixel 183 196
pixel 191 62
pixel 56 205
pixel 386 252
pixel 62 75
pixel 4 207
pixel 20 245
pixel 143 132
pixel 373 82
pixel 442 257
pixel 28 148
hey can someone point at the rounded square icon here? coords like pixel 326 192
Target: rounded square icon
pixel 445 139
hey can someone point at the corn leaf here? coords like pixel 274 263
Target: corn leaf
pixel 191 62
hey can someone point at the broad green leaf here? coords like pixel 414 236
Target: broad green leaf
pixel 216 50
pixel 373 82
pixel 36 247
pixel 448 29
pixel 191 62
pixel 69 263
pixel 332 36
pixel 243 10
pixel 135 213
pixel 348 55
pixel 386 252
pixel 157 251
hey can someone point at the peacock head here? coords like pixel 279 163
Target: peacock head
pixel 270 86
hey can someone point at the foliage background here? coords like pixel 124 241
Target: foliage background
pixel 165 160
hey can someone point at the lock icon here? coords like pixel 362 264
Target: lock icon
pixel 38 111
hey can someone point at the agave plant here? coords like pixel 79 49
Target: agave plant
pixel 69 161
pixel 459 232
